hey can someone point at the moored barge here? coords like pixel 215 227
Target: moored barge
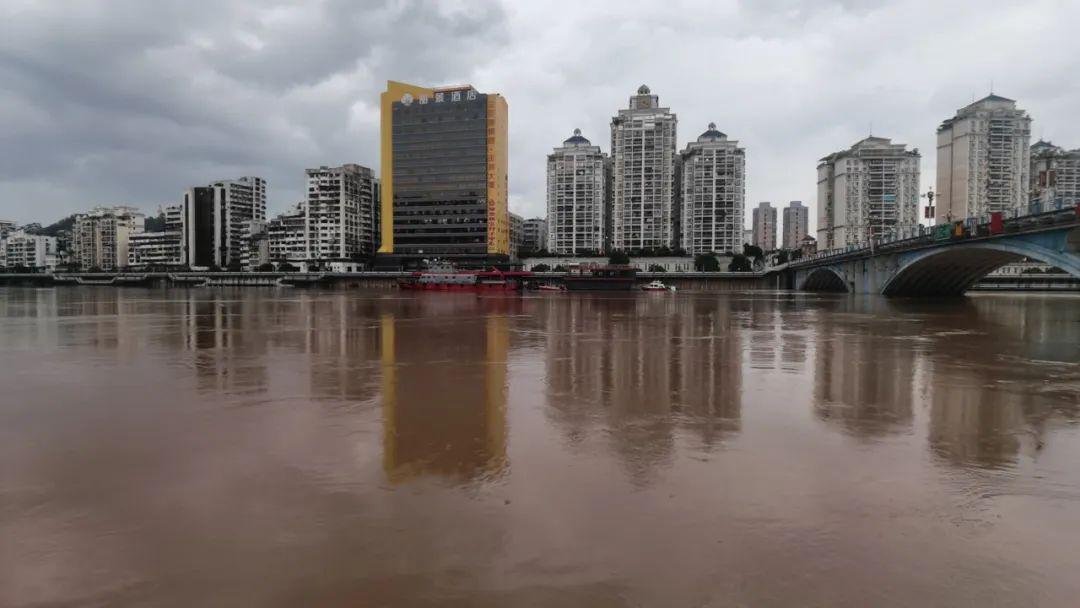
pixel 449 279
pixel 592 277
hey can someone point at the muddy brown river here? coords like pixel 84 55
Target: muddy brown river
pixel 273 447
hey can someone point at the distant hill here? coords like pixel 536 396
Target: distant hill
pixel 153 224
pixel 54 228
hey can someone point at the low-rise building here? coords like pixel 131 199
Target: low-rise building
pixel 644 264
pixel 534 234
pixel 31 252
pixel 6 226
pixel 286 236
pixel 257 248
pixel 517 231
pixel 148 250
pixel 101 238
pixel 1055 175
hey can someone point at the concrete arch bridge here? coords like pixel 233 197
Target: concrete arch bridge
pixel 945 261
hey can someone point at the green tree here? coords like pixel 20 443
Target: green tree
pixel 706 262
pixel 267 267
pixel 287 267
pixel 619 258
pixel 560 268
pixel 656 268
pixel 740 263
pixel 782 257
pixel 155 223
pixel 541 268
pixel 752 251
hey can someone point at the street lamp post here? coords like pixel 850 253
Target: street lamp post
pixel 930 211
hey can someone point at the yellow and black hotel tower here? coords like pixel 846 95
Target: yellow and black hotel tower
pixel 444 176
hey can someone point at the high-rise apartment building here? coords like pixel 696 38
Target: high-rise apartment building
pixel 577 197
pixel 215 221
pixel 1055 175
pixel 342 207
pixel 535 234
pixel 33 252
pixel 765 226
pixel 242 201
pixel 983 160
pixel 203 229
pixel 796 225
pixel 643 156
pixel 870 190
pixel 100 238
pixel 444 175
pixel 713 181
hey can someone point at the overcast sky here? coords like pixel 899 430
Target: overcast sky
pixel 131 101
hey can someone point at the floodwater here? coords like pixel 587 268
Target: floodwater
pixel 294 448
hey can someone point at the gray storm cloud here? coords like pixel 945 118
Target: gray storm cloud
pixel 122 101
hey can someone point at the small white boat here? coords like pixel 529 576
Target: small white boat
pixel 546 287
pixel 657 286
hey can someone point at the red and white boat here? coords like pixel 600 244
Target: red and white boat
pixel 446 278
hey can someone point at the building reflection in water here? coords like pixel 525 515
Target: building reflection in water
pixel 226 338
pixel 864 368
pixel 989 410
pixel 444 387
pixel 341 341
pixel 970 424
pixel 639 370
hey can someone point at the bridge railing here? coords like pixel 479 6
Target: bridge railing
pixel 1014 220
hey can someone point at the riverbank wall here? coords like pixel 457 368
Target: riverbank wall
pixel 683 281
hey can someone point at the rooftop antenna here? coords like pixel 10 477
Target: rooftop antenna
pixel 991 86
pixel 871 128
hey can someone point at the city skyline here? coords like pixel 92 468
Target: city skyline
pixel 125 137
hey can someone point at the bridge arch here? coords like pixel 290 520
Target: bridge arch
pixel 824 278
pixel 952 270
